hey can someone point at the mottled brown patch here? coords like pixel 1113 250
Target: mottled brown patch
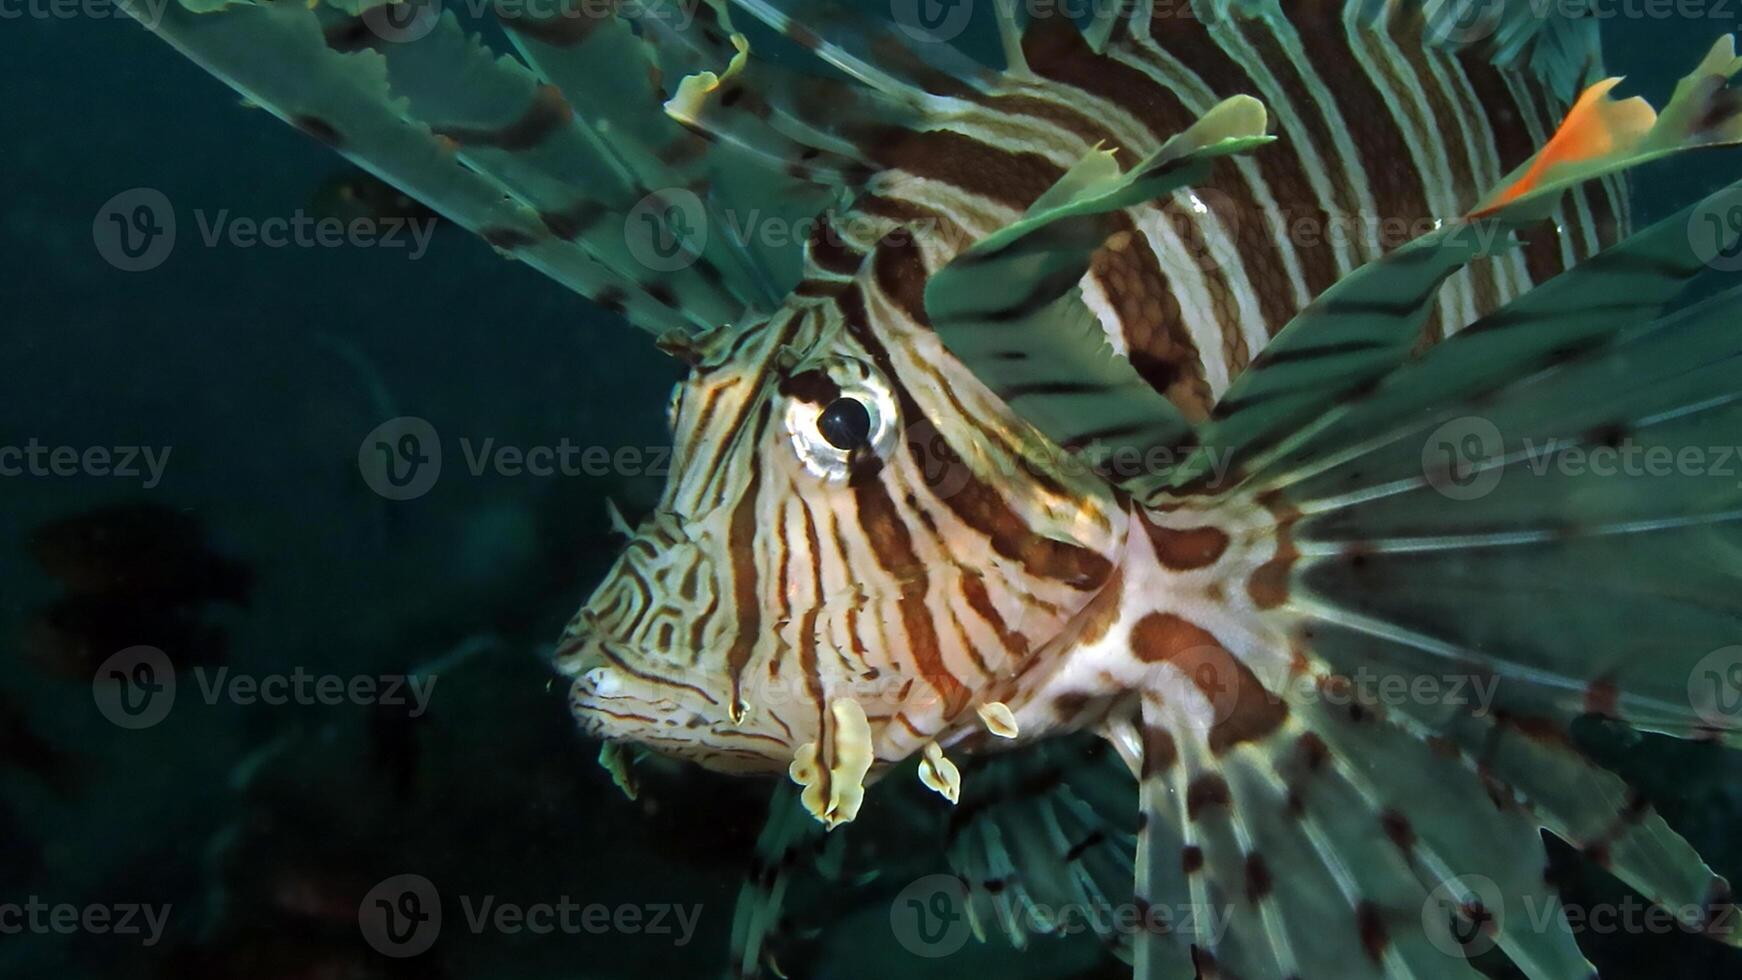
pixel 1191 860
pixel 1205 791
pixel 1375 935
pixel 506 239
pixel 1159 751
pixel 1186 549
pixel 1603 698
pixel 1398 829
pixel 1068 707
pixel 1096 618
pixel 547 113
pixel 570 223
pixel 1157 343
pixel 1258 879
pixel 1313 751
pixel 1268 585
pixel 321 130
pixel 1244 709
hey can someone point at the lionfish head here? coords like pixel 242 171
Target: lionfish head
pixel 853 526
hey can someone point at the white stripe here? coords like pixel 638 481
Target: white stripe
pixel 1197 97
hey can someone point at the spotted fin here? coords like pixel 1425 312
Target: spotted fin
pixel 1042 830
pixel 1512 574
pixel 789 841
pixel 565 157
pixel 1041 348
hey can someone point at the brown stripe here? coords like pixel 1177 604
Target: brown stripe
pixel 979 600
pixel 829 252
pixel 807 637
pixel 746 599
pixel 1063 117
pixel 1012 179
pixel 1370 126
pixel 891 543
pixel 973 501
pixel 901 274
pixel 1279 164
pixel 1057 51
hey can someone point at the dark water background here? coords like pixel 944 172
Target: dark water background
pixel 264 369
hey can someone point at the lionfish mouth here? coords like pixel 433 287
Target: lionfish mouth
pixel 616 698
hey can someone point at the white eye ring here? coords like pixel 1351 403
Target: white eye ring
pixel 823 458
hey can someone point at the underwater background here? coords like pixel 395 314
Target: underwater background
pixel 252 544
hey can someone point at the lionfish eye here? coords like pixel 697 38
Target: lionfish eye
pixel 839 415
pixel 846 424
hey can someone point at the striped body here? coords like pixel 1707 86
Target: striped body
pixel 961 564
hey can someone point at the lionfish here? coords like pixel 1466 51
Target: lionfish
pixel 1184 382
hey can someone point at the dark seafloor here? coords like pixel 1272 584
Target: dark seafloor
pixel 262 827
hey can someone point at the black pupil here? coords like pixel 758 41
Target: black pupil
pixel 846 424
